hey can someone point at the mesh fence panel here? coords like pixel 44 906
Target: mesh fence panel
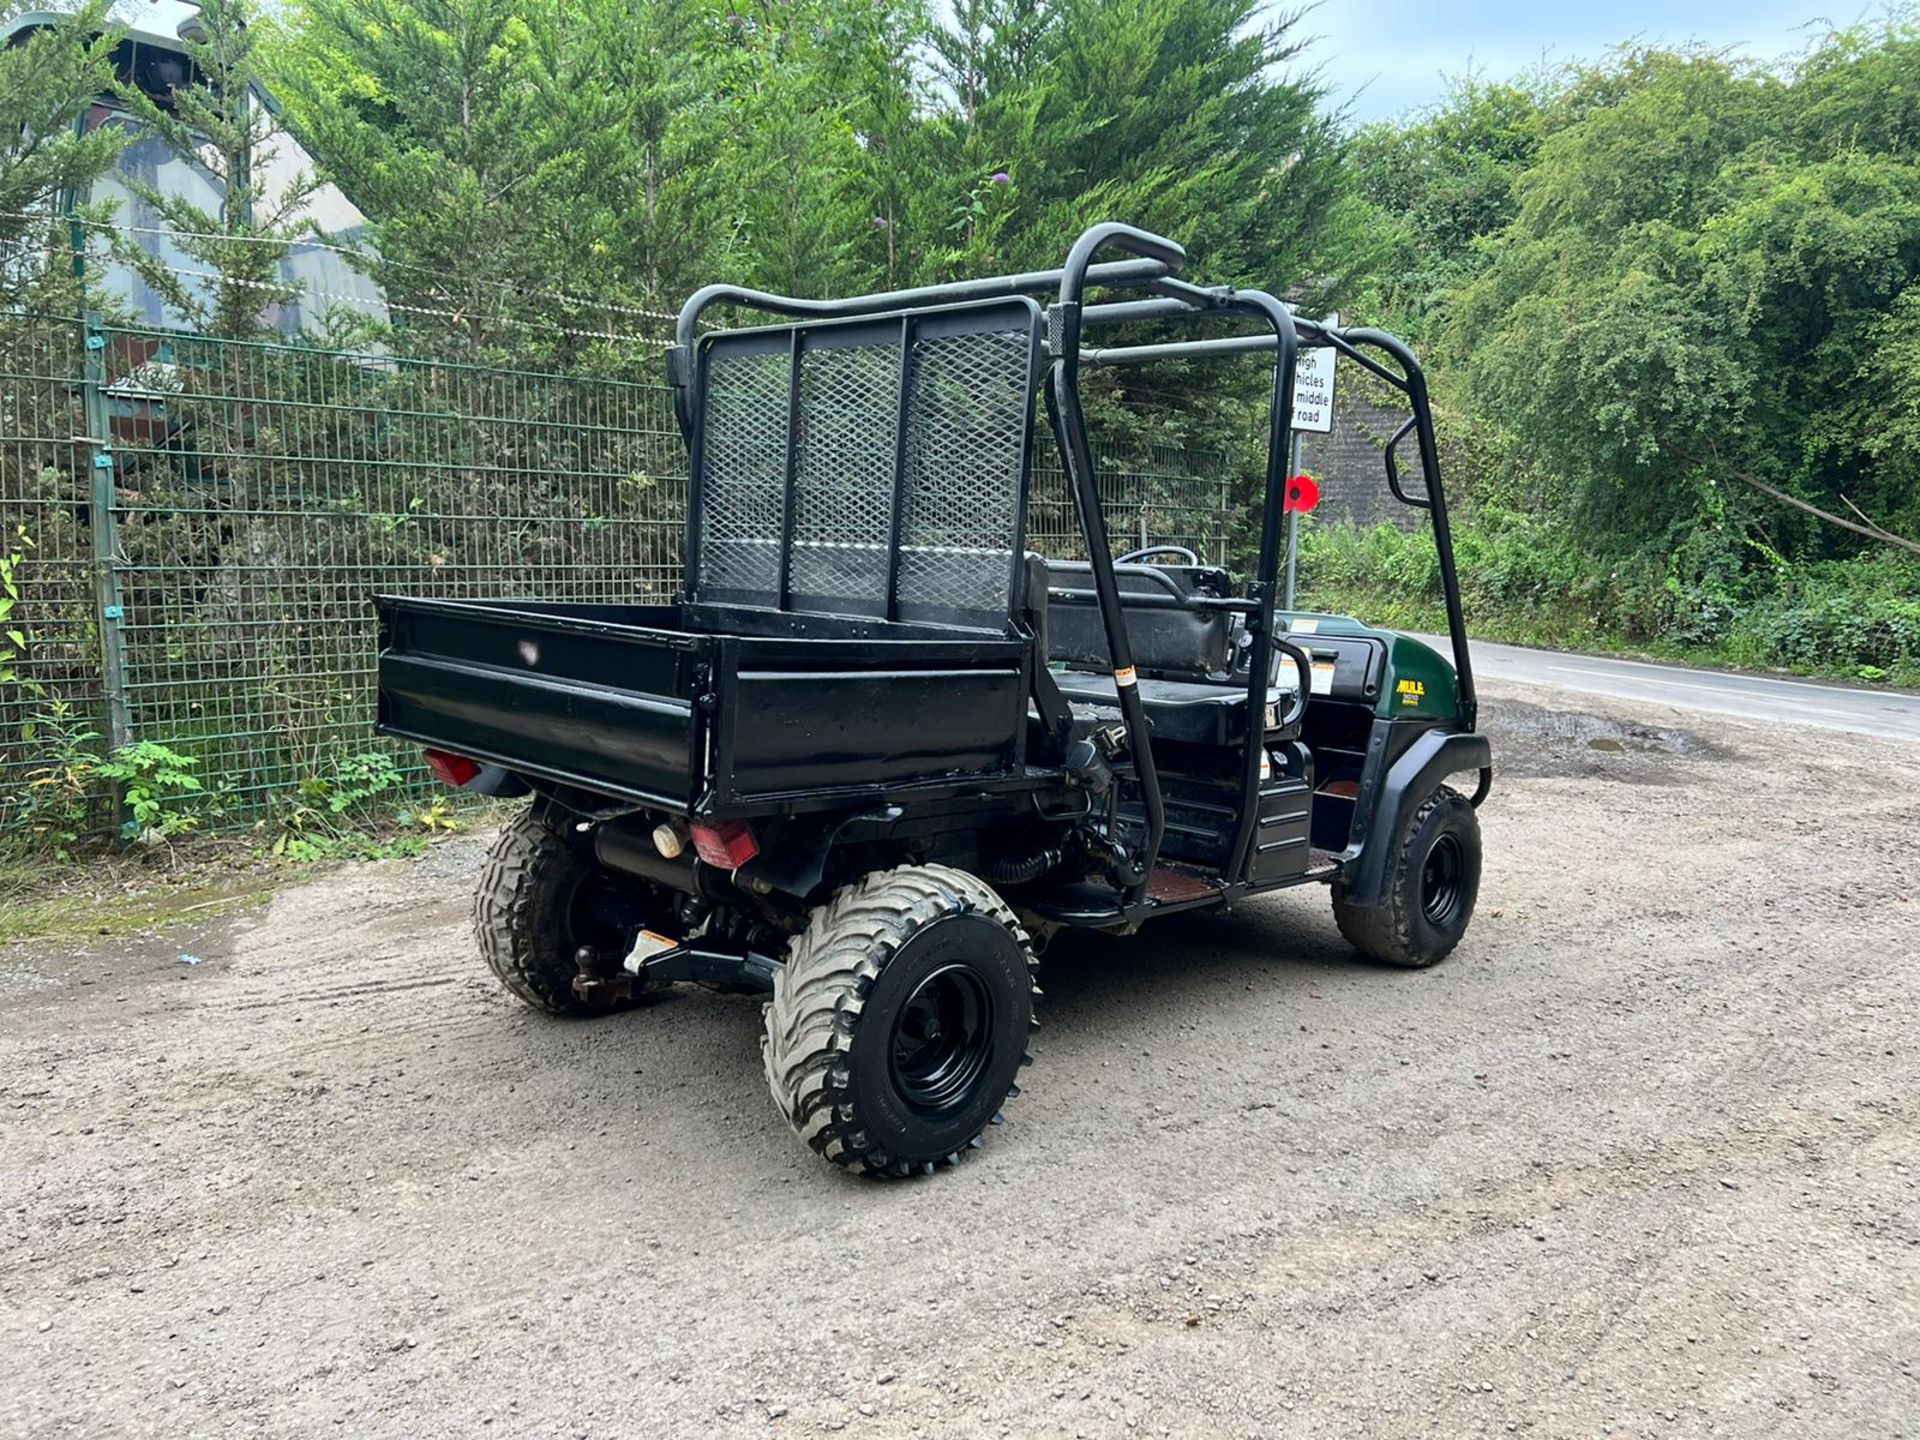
pixel 261 494
pixel 50 691
pixel 1162 496
pixel 267 492
pixel 258 495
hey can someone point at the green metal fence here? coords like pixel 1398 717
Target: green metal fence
pixel 1163 495
pixel 199 525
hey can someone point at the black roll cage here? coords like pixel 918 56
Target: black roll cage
pixel 1153 267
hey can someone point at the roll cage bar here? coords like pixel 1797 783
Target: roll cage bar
pixel 1153 266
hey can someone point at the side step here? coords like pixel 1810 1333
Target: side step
pixel 1176 887
pixel 1098 906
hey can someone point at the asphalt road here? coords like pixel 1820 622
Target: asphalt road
pixel 1889 714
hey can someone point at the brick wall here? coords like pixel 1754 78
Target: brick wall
pixel 1350 465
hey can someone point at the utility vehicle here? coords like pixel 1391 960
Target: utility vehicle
pixel 877 754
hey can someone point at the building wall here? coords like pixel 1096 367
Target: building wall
pixel 1350 464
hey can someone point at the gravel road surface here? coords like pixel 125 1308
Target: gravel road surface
pixel 1641 1159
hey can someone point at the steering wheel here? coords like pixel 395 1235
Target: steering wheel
pixel 1134 556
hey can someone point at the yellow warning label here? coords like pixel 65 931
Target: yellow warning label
pixel 646 945
pixel 1123 677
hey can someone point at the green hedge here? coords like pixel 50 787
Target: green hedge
pixel 1529 581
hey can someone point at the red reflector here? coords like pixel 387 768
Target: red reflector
pixel 729 845
pixel 454 770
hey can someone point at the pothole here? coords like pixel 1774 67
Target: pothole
pixel 1534 741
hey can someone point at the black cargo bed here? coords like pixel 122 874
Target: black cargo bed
pixel 632 702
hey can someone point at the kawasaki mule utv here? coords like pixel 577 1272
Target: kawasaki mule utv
pixel 877 753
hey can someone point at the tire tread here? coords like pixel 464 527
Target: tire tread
pixel 1385 932
pixel 527 868
pixel 818 998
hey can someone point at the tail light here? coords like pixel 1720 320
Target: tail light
pixel 454 770
pixel 728 845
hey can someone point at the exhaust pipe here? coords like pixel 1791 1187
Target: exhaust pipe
pixel 634 853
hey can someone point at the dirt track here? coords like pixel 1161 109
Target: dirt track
pixel 1643 1159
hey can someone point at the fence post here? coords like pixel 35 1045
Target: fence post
pixel 1224 512
pixel 106 537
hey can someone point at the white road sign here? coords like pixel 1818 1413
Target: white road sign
pixel 1313 389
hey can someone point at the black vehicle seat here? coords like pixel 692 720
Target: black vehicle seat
pixel 1193 712
pixel 1181 651
pixel 1170 635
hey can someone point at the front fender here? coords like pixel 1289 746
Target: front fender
pixel 1412 778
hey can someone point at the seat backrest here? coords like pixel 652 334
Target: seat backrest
pixel 1167 630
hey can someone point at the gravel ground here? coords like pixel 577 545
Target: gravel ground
pixel 1641 1159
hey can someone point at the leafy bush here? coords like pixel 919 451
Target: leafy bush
pixel 356 781
pixel 57 805
pixel 13 640
pixel 61 803
pixel 1859 617
pixel 154 780
pixel 1524 578
pixel 340 813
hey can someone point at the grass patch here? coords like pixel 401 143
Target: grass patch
pixel 101 888
pixel 44 899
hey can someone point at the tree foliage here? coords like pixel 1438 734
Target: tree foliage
pixel 1687 287
pixel 46 84
pixel 1672 297
pixel 630 150
pixel 1438 184
pixel 436 118
pixel 1700 272
pixel 221 123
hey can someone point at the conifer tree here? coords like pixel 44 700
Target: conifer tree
pixel 46 85
pixel 223 123
pixel 441 120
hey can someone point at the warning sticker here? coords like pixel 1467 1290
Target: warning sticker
pixel 646 945
pixel 1323 677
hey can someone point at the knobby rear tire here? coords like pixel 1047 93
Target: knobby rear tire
pixel 525 916
pixel 832 1024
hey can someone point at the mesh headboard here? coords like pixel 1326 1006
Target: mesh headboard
pixel 875 466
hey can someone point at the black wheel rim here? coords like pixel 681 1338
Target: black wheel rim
pixel 1440 881
pixel 596 918
pixel 942 1041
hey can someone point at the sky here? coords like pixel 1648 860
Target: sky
pixel 1386 56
